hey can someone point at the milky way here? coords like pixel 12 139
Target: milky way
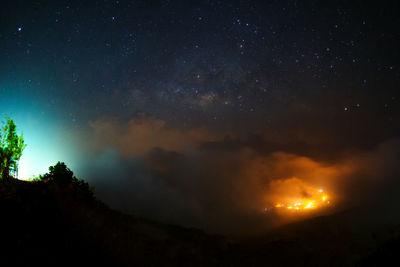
pixel 130 82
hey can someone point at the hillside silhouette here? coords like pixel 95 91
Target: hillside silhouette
pixel 57 224
pixel 57 221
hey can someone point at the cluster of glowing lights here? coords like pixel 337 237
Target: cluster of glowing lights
pixel 317 200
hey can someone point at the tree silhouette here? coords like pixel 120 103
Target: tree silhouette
pixel 60 174
pixel 11 147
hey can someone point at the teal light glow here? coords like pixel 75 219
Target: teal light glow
pixel 45 135
pixel 42 151
pixel 46 145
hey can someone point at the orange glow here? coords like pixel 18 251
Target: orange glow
pixel 296 195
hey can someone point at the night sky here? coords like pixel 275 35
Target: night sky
pixel 173 109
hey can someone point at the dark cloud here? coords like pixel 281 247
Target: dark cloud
pixel 227 186
pixel 142 133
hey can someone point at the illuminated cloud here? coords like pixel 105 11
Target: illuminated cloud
pixel 142 133
pixel 223 185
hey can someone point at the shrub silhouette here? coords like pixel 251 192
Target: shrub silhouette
pixel 60 174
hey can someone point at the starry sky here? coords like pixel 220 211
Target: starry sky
pixel 145 88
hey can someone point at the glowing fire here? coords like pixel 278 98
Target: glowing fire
pixel 314 199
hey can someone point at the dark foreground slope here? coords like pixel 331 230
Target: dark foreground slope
pixel 54 224
pixel 356 237
pixel 57 225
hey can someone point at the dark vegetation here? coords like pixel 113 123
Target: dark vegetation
pixel 56 220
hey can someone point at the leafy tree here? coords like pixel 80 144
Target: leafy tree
pixel 11 147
